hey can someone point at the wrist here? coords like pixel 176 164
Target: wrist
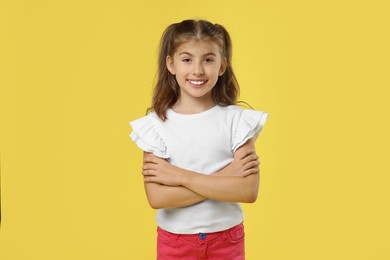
pixel 184 176
pixel 224 171
pixel 188 177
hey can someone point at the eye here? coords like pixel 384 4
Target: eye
pixel 209 60
pixel 186 60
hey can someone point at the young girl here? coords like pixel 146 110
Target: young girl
pixel 199 157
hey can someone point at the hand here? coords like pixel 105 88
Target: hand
pixel 245 163
pixel 160 171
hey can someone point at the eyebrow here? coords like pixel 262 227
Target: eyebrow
pixel 207 54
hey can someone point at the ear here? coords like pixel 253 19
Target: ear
pixel 170 65
pixel 223 67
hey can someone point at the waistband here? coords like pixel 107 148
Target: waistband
pixel 199 237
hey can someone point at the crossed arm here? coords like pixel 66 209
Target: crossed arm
pixel 168 186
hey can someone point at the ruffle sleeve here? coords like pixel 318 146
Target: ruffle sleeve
pixel 249 124
pixel 146 136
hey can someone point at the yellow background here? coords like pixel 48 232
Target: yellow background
pixel 74 73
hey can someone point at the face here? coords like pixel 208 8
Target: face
pixel 196 65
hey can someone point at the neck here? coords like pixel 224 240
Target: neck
pixel 191 106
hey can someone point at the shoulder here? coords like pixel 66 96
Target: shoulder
pixel 249 124
pixel 244 112
pixel 150 118
pixel 232 110
pixel 149 124
pixel 146 135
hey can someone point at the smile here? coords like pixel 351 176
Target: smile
pixel 197 83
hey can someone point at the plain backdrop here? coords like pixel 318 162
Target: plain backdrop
pixel 74 73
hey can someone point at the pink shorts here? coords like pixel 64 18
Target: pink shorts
pixel 223 245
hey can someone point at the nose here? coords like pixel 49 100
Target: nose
pixel 198 69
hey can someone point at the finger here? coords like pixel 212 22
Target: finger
pixel 251 165
pixel 243 152
pixel 150 179
pixel 251 171
pixel 249 152
pixel 149 166
pixel 148 173
pixel 238 154
pixel 250 158
pixel 149 157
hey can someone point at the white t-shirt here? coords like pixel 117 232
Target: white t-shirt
pixel 203 143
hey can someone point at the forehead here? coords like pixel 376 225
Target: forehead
pixel 199 47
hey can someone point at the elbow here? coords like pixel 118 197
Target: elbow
pixel 154 204
pixel 152 194
pixel 252 189
pixel 251 197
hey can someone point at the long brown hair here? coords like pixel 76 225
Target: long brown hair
pixel 167 90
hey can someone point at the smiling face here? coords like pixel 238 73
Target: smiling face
pixel 196 65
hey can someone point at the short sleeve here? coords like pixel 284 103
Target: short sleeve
pixel 250 123
pixel 147 137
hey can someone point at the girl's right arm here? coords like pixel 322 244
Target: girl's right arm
pixel 245 163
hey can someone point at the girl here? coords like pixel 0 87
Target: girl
pixel 199 157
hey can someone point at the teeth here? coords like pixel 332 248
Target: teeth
pixel 197 82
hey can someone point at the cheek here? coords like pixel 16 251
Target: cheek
pixel 180 76
pixel 180 70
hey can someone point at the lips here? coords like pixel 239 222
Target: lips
pixel 197 83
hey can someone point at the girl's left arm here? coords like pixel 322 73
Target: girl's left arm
pixel 230 186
